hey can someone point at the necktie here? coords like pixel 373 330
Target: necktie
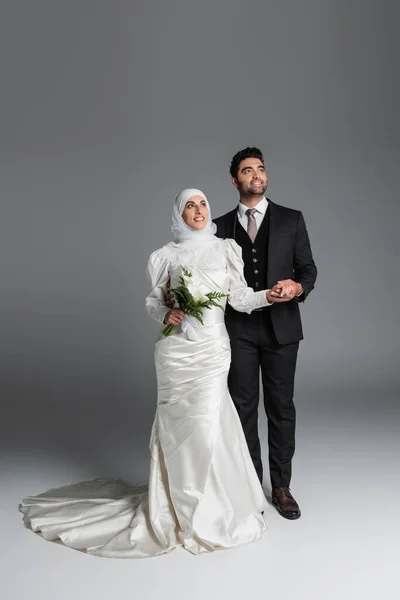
pixel 251 223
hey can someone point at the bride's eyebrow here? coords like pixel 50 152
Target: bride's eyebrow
pixel 193 202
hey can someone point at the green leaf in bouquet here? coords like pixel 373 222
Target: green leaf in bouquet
pixel 188 304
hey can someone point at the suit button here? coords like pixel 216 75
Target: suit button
pixel 256 272
pixel 257 284
pixel 254 260
pixel 253 250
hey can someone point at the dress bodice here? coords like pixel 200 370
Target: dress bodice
pixel 217 266
pixel 205 279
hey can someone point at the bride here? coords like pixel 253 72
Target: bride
pixel 203 493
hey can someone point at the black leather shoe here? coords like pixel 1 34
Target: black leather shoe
pixel 284 503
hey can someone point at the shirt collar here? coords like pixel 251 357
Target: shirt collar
pixel 261 207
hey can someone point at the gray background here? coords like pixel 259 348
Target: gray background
pixel 108 109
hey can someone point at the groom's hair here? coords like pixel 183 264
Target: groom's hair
pixel 242 155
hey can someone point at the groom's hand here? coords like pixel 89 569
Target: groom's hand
pixel 285 290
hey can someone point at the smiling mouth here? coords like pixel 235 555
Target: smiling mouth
pixel 257 183
pixel 199 219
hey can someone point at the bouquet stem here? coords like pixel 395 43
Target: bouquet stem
pixel 168 329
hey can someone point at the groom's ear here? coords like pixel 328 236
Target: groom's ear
pixel 234 181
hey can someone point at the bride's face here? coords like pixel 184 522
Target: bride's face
pixel 195 213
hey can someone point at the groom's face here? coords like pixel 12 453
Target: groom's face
pixel 251 179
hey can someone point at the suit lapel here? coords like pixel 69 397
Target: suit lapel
pixel 230 223
pixel 275 223
pixel 263 227
pixel 246 237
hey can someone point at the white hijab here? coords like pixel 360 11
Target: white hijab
pixel 180 230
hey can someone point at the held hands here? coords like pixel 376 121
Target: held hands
pixel 284 291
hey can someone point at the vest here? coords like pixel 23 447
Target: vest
pixel 255 256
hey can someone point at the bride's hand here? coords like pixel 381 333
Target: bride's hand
pixel 169 299
pixel 174 317
pixel 270 297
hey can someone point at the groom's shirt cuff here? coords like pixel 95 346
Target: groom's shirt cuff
pixel 298 296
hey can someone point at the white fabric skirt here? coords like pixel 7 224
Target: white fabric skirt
pixel 203 492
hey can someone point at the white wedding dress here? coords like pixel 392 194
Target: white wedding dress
pixel 203 492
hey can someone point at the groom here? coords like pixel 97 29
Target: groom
pixel 277 256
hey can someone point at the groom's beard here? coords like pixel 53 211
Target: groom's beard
pixel 249 190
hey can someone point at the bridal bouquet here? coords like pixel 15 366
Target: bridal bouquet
pixel 192 306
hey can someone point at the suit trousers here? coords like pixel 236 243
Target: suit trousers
pixel 254 347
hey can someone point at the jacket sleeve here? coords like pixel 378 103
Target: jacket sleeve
pixel 241 297
pixel 219 222
pixel 305 270
pixel 157 272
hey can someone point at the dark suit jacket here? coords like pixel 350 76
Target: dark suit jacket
pixel 289 257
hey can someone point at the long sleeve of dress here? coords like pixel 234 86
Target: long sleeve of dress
pixel 241 297
pixel 157 272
